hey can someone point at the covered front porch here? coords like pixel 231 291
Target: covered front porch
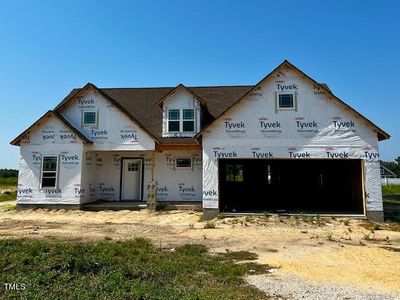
pixel 128 179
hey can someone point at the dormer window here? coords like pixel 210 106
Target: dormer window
pixel 188 120
pixel 181 120
pixel 173 120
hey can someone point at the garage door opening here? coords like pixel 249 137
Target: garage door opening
pixel 291 186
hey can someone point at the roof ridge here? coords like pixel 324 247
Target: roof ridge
pixel 172 87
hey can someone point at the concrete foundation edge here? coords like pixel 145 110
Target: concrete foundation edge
pixel 210 213
pixel 49 206
pixel 375 216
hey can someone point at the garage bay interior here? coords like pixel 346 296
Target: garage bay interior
pixel 291 186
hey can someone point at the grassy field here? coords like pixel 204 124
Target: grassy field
pixel 8 197
pixel 133 269
pixel 10 182
pixel 391 189
pixel 391 202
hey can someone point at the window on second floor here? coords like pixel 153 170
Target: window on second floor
pixel 181 120
pixel 173 120
pixel 188 120
pixel 286 101
pixel 89 118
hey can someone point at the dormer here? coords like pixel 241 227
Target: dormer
pixel 182 113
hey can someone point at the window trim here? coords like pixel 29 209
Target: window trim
pixel 293 108
pixel 56 172
pixel 184 168
pixel 92 124
pixel 181 120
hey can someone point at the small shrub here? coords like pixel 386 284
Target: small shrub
pixel 377 227
pixel 209 225
pixel 161 206
pixel 368 236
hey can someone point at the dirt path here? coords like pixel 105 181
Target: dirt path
pixel 337 251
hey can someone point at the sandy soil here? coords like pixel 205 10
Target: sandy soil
pixel 347 252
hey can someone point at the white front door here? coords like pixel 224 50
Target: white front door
pixel 131 179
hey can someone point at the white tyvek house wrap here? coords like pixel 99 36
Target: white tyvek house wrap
pixel 181 99
pixel 51 138
pixel 178 184
pixel 114 131
pixel 320 128
pixel 102 172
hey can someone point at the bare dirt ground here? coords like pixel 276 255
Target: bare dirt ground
pixel 346 252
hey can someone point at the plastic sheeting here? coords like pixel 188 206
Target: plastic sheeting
pixel 88 172
pixel 113 131
pixel 318 127
pixel 101 175
pixel 50 139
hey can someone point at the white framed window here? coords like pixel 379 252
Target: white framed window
pixel 286 101
pixel 174 120
pixel 49 172
pixel 181 120
pixel 183 163
pixel 188 120
pixel 89 118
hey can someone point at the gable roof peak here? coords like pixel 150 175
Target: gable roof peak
pixel 160 102
pixel 108 98
pixel 48 114
pixel 382 135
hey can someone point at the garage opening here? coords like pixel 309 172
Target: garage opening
pixel 291 186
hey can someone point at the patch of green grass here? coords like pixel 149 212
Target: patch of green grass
pixel 133 269
pixel 8 197
pixel 391 189
pixel 9 207
pixel 391 200
pixel 239 255
pixel 10 182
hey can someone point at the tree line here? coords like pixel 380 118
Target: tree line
pixel 393 166
pixel 8 173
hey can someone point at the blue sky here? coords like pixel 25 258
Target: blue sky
pixel 49 47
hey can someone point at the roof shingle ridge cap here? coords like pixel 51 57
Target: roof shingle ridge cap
pixel 172 87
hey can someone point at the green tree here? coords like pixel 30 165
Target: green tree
pixel 393 166
pixel 8 173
